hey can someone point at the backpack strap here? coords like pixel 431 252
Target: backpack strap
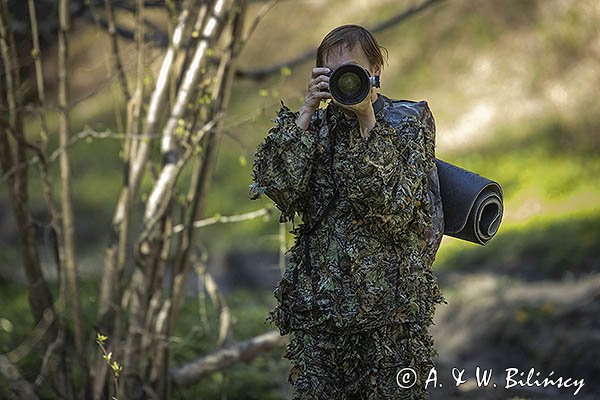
pixel 314 227
pixel 305 231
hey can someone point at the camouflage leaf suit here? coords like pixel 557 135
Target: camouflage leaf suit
pixel 358 293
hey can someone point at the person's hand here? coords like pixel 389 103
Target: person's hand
pixel 318 89
pixel 362 109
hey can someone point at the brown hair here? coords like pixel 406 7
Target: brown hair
pixel 347 36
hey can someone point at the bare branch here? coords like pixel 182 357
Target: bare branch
pixel 112 285
pixel 170 142
pixel 217 299
pixel 158 199
pixel 245 351
pixel 50 360
pixel 18 387
pixel 36 52
pixel 140 280
pixel 136 157
pixel 264 72
pixel 203 169
pixel 84 135
pixel 35 337
pixel 68 219
pixel 138 98
pixel 11 68
pixel 225 219
pixel 114 45
pixel 156 102
pixel 40 297
pixel 261 14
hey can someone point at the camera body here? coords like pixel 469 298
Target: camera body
pixel 349 84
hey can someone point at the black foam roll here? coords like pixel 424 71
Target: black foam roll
pixel 472 204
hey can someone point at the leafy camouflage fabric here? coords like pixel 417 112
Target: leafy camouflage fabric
pixel 358 292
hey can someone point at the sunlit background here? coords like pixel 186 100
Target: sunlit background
pixel 513 86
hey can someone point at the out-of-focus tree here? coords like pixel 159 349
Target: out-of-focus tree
pixel 128 355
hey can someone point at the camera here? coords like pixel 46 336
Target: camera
pixel 350 83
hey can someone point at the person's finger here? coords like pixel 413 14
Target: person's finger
pixel 323 95
pixel 321 78
pixel 318 88
pixel 322 86
pixel 318 83
pixel 319 71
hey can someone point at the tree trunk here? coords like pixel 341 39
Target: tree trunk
pixel 16 166
pixel 73 303
pixel 245 351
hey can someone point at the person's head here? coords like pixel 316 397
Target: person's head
pixel 351 44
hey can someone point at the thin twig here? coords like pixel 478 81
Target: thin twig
pixel 114 47
pixel 68 219
pixel 218 300
pixel 19 387
pixel 40 297
pixel 86 134
pixel 50 360
pixel 261 14
pixel 35 337
pixel 263 72
pixel 223 219
pixel 139 90
pixel 89 133
pixel 37 59
pixel 156 102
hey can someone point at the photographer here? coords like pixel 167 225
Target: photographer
pixel 358 293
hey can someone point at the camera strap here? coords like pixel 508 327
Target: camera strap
pixel 306 232
pixel 315 226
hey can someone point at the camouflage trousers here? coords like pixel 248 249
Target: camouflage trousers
pixel 360 366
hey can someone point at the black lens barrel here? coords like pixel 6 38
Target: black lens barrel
pixel 350 84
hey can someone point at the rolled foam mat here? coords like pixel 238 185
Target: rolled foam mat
pixel 472 204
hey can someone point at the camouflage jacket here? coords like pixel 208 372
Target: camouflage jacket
pixel 368 262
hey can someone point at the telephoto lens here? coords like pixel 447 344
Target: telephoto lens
pixel 350 84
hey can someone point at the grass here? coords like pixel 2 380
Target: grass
pixel 259 379
pixel 551 223
pixel 546 247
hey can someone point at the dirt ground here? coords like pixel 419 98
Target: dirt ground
pixel 498 322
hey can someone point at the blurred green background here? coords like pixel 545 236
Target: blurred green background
pixel 513 86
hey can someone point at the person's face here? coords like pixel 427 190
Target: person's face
pixel 340 56
pixel 337 57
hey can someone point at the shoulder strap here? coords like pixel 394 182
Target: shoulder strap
pixel 332 200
